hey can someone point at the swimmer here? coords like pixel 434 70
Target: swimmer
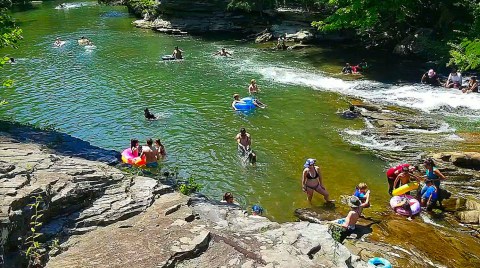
pixel 223 52
pixel 58 42
pixel 177 53
pixel 135 147
pixel 11 60
pixel 312 180
pixel 228 198
pixel 253 87
pixel 257 210
pixel 150 153
pixel 350 113
pixel 256 102
pixel 149 115
pixel 83 41
pixel 160 149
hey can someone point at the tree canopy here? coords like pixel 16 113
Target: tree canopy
pixel 386 22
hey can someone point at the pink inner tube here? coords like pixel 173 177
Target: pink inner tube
pixel 414 205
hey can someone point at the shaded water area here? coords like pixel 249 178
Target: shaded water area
pixel 98 95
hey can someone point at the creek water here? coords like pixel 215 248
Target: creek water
pixel 99 94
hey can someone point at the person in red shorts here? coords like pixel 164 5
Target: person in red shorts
pixel 393 172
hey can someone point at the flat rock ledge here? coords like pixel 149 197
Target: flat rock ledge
pixel 106 218
pixel 79 195
pixel 177 231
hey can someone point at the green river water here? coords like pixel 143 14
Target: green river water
pixel 99 95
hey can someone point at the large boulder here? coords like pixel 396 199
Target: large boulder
pixel 470 160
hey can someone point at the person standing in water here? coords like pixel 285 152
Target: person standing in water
pixel 177 53
pixel 150 153
pixel 392 174
pixel 404 177
pixel 135 147
pixel 312 180
pixel 160 149
pixel 253 88
pixel 244 142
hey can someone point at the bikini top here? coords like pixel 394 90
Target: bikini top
pixel 310 177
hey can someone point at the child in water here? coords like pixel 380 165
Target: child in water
pixel 363 194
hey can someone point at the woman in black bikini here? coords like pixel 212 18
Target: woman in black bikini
pixel 312 180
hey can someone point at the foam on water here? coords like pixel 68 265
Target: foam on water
pixel 75 5
pixel 356 137
pixel 417 96
pixel 444 128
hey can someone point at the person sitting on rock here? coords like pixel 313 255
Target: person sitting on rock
pixel 350 113
pixel 149 115
pixel 348 224
pixel 429 194
pixel 472 85
pixel 177 53
pixel 454 80
pixel 430 78
pixel 347 69
pixel 223 52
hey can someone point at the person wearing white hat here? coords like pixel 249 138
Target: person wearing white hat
pixel 430 78
pixel 312 180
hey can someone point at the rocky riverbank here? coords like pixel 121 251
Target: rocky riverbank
pixel 102 215
pixel 109 218
pixel 217 16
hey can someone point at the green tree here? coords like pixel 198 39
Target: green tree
pixel 10 34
